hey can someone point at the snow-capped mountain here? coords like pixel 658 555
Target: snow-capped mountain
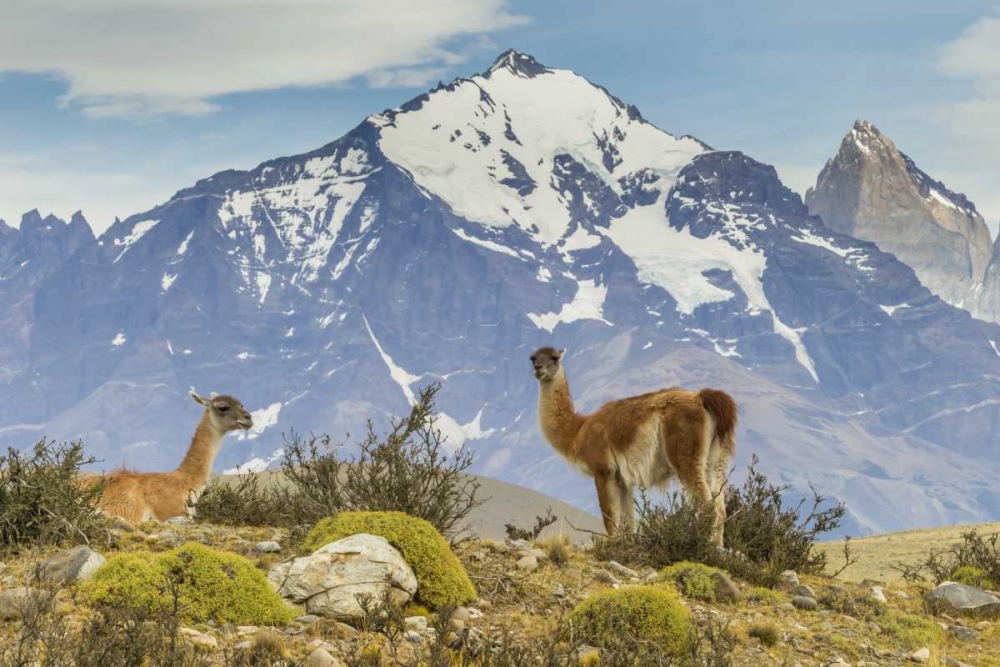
pixel 449 237
pixel 873 191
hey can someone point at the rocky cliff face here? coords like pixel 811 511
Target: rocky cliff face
pixel 30 255
pixel 448 238
pixel 873 191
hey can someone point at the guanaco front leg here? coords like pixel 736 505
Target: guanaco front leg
pixel 608 498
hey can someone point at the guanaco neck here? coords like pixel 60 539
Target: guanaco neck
pixel 558 418
pixel 196 468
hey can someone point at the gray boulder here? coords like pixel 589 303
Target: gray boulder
pixel 331 579
pixel 959 599
pixel 725 589
pixel 15 601
pixel 71 566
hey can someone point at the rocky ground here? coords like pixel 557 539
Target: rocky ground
pixel 525 595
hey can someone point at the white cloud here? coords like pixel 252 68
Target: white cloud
pixel 130 59
pixel 971 123
pixel 975 55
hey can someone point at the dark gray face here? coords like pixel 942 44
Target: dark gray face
pixel 227 413
pixel 545 361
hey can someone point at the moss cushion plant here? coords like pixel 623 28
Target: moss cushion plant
pixel 209 585
pixel 635 613
pixel 441 579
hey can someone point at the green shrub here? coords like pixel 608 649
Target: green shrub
pixel 909 630
pixel 693 580
pixel 244 502
pixel 637 614
pixel 43 503
pixel 194 581
pixel 404 470
pixel 763 535
pixel 541 523
pixel 762 595
pixel 441 579
pixel 975 561
pixel 972 576
pixel 768 633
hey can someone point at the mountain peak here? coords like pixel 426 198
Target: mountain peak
pixel 873 191
pixel 866 139
pixel 865 127
pixel 78 219
pixel 517 63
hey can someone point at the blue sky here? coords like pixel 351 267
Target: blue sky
pixel 110 106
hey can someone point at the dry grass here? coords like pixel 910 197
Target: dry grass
pixel 876 555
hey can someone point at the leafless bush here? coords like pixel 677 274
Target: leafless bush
pixel 42 502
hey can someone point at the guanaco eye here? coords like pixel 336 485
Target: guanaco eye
pixel 223 409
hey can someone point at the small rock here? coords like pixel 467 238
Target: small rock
pixel 539 554
pixel 322 658
pixel 268 547
pixel 15 601
pixel 199 639
pixel 804 602
pixel 786 606
pixel 836 590
pixel 559 591
pixel 413 636
pixel 982 625
pixel 70 566
pixel 651 577
pixel 475 613
pixel 725 589
pixel 461 614
pixel 498 547
pixel 789 579
pixel 804 591
pixel 953 598
pixel 878 595
pixel 117 523
pixel 902 595
pixel 604 576
pixel 418 623
pixel 319 644
pixel 456 624
pixel 182 520
pixel 528 564
pixel 307 619
pixel 246 630
pixel 345 630
pixel 952 662
pixel 920 655
pixel 962 633
pixel 621 570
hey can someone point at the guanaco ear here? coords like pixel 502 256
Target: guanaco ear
pixel 200 400
pixel 562 353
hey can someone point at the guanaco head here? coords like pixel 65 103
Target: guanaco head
pixel 545 360
pixel 225 412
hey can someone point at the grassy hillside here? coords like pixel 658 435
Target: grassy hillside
pixel 878 553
